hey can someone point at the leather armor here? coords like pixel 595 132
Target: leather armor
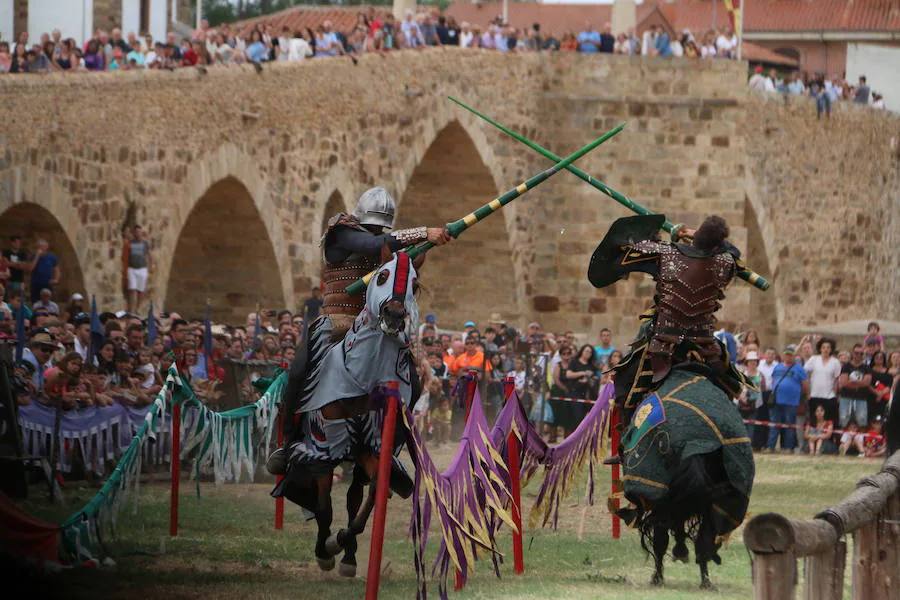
pixel 689 288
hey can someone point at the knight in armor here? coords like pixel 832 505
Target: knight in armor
pixel 691 274
pixel 352 248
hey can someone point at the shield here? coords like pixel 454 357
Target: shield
pixel 609 263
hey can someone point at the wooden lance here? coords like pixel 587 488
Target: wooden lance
pixel 746 274
pixel 457 227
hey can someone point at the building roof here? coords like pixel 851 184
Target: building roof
pixel 788 16
pixel 300 18
pixel 700 15
pixel 759 54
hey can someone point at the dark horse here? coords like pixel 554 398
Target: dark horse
pixel 332 401
pixel 687 468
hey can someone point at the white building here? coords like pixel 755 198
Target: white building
pixel 78 19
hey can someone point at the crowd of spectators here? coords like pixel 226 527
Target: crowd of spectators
pixel 376 30
pixel 817 398
pixel 821 399
pixel 826 91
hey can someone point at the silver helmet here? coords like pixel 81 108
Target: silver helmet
pixel 375 207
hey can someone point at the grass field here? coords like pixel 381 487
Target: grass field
pixel 228 549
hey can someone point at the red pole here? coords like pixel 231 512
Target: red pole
pixel 176 471
pixel 471 386
pixel 382 486
pixel 279 502
pixel 616 481
pixel 512 444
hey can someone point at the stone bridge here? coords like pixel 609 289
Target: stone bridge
pixel 234 173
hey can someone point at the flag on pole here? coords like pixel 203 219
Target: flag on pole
pixel 736 18
pixel 20 330
pixel 97 333
pixel 152 330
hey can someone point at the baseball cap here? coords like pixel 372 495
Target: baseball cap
pixel 430 318
pixel 790 349
pixel 469 324
pixel 76 296
pixel 751 356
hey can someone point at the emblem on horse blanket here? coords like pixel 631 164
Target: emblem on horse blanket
pixel 688 416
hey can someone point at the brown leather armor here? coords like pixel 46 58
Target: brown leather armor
pixel 341 307
pixel 688 291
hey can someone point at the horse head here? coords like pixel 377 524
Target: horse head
pixel 390 296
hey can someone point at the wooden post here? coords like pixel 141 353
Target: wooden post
pixel 867 572
pixel 382 486
pixel 279 502
pixel 825 573
pixel 616 481
pixel 892 546
pixel 176 470
pixel 471 387
pixel 512 445
pixel 774 576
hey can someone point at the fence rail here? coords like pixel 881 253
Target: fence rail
pixel 871 514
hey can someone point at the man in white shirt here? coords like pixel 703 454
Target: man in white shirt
pixel 465 35
pixel 83 336
pixel 412 33
pixel 757 81
pixel 298 48
pixel 767 365
pixel 725 45
pixel 824 370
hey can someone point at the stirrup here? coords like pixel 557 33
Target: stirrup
pixel 276 464
pixel 615 459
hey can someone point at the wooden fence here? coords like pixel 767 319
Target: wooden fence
pixel 871 514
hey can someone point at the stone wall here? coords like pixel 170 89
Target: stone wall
pixel 298 142
pixel 827 193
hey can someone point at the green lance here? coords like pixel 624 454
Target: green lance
pixel 457 227
pixel 747 275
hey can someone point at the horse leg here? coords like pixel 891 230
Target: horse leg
pixel 705 548
pixel 358 514
pixel 660 543
pixel 323 521
pixel 680 551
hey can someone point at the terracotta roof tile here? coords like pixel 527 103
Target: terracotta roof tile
pixel 756 54
pixel 696 15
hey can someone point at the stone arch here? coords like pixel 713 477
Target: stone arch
pixel 230 163
pixel 452 179
pixel 224 254
pixel 766 311
pixel 32 221
pixel 36 200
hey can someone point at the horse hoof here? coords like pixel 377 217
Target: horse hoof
pixel 326 564
pixel 706 584
pixel 276 464
pixel 332 545
pixel 657 579
pixel 346 569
